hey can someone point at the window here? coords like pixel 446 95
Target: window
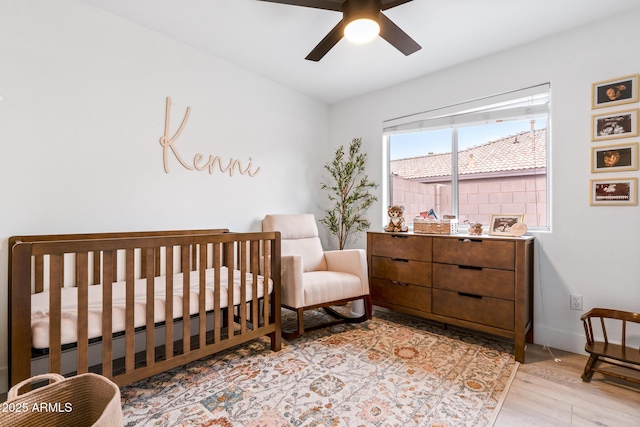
pixel 474 160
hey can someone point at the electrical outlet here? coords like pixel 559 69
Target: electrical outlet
pixel 576 302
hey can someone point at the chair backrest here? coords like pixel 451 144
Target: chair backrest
pixel 299 236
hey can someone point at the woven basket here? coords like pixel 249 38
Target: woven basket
pixel 435 226
pixel 82 400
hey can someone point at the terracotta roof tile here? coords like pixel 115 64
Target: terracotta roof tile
pixel 512 153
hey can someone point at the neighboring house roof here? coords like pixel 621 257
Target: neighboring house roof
pixel 506 155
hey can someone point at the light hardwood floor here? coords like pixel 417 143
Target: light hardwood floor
pixel 546 393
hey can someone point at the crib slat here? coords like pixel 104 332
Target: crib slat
pixel 202 294
pixel 265 283
pixel 130 338
pixel 255 267
pixel 148 255
pixel 186 276
pixel 20 275
pixel 216 292
pixel 242 260
pixel 55 312
pixel 82 279
pixel 274 300
pixel 107 310
pixel 230 288
pixel 168 307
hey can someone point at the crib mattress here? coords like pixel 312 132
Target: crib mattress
pixel 69 316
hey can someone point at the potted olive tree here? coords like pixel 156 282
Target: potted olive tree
pixel 348 190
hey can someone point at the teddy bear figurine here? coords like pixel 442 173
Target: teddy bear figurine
pixel 396 219
pixel 475 228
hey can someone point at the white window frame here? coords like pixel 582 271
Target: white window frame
pixel 531 103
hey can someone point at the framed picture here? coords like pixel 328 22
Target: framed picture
pixel 614 191
pixel 500 225
pixel 609 93
pixel 621 124
pixel 613 158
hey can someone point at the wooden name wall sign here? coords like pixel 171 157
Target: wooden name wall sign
pixel 200 162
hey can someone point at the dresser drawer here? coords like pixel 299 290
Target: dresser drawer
pixel 475 252
pixel 488 311
pixel 401 270
pixel 410 296
pixel 401 246
pixel 475 280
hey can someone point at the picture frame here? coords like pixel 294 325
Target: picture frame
pixel 614 158
pixel 614 192
pixel 619 124
pixel 500 224
pixel 609 93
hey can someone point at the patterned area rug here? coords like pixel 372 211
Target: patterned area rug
pixel 393 370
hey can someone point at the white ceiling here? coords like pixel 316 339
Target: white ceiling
pixel 272 39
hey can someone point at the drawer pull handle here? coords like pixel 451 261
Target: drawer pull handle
pixel 470 267
pixel 396 236
pixel 395 282
pixel 464 294
pixel 399 259
pixel 470 240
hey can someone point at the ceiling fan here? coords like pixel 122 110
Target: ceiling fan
pixel 358 17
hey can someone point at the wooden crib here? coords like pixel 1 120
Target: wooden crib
pixel 128 305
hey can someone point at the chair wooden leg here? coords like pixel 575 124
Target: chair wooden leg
pixel 300 315
pixel 290 335
pixel 588 368
pixel 368 307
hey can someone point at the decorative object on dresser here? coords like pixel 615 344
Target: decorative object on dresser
pixel 396 219
pixel 435 226
pixel 480 283
pixel 314 278
pixel 475 228
pixel 349 192
pixel 500 225
pixel 519 229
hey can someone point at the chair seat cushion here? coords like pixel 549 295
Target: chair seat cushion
pixel 321 287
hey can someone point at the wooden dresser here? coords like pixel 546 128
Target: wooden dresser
pixel 484 283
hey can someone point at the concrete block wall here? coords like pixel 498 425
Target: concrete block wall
pixel 478 198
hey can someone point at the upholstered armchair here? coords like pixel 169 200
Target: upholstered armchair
pixel 314 278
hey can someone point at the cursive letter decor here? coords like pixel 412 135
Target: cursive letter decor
pixel 210 164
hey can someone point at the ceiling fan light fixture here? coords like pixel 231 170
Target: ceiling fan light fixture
pixel 361 30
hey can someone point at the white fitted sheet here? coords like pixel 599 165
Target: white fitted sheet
pixel 40 304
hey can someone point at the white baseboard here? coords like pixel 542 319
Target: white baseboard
pixel 560 339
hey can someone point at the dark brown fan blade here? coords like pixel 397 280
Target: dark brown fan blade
pixel 388 4
pixel 316 4
pixel 398 38
pixel 327 42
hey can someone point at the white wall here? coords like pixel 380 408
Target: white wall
pixel 81 119
pixel 591 251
